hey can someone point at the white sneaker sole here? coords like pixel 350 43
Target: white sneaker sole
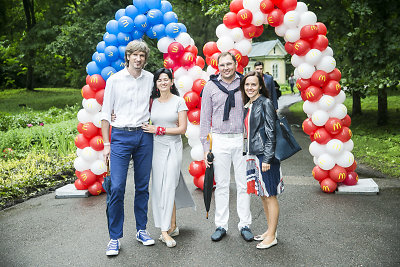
pixel 112 253
pixel 146 243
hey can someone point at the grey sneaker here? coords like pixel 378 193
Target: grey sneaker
pixel 218 234
pixel 247 234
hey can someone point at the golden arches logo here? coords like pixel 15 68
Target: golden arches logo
pixel 244 16
pixel 144 25
pixel 322 78
pixel 326 188
pixel 298 86
pixel 84 176
pixel 309 94
pixel 263 5
pixel 337 126
pixel 238 57
pixel 270 20
pixel 314 28
pixel 99 141
pixel 110 54
pixel 225 17
pixel 251 34
pixel 151 14
pixel 125 23
pixel 350 133
pixel 165 63
pixel 189 57
pixel 313 173
pixel 93 79
pixel 337 146
pixel 342 176
pixel 203 82
pixel 84 127
pixel 174 49
pixel 126 38
pixel 98 192
pixel 110 73
pixel 214 62
pixel 98 58
pixel 317 135
pixel 338 87
pixel 176 29
pixel 297 46
pixel 188 99
pixel 76 139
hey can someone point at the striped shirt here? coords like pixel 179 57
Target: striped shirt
pixel 212 111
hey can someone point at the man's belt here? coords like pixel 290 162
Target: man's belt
pixel 129 129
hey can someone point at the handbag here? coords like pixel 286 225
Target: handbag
pixel 286 144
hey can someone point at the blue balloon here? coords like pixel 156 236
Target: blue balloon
pixel 141 6
pixel 121 50
pixel 101 60
pixel 172 30
pixel 110 39
pixel 183 27
pixel 136 35
pixel 170 17
pixel 118 65
pixel 151 34
pixel 101 46
pixel 94 55
pixel 120 13
pixel 111 53
pixel 154 16
pixel 153 4
pixel 131 11
pixel 165 6
pixel 107 72
pixel 124 38
pixel 112 27
pixel 125 24
pixel 159 31
pixel 92 68
pixel 141 23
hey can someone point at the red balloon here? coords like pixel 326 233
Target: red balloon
pixel 319 174
pixel 266 6
pixel 344 135
pixel 328 186
pixel 352 168
pixel 245 61
pixel 97 143
pixel 100 96
pixel 288 5
pixel 313 93
pixel 240 69
pixel 308 32
pixel 236 6
pixel 244 17
pixel 89 130
pixel 335 75
pixel 210 48
pixel 87 177
pixel 214 60
pixel 175 50
pixel 322 136
pixel 333 126
pixel 77 173
pixel 289 47
pixel 237 55
pixel 320 42
pixel 79 185
pixel 198 85
pixel 303 95
pixel 191 99
pixel 199 182
pixel 346 121
pixel 301 47
pixel 188 59
pixel 351 179
pixel 249 31
pixel 87 92
pixel 79 127
pixel 96 82
pixel 303 84
pixel 275 17
pixel 197 168
pixel 87 79
pixel 81 141
pixel 321 28
pixel 332 88
pixel 169 63
pixel 259 31
pixel 319 78
pixel 194 116
pixel 200 62
pixel 230 20
pixel 192 49
pixel 309 127
pixel 95 189
pixel 337 174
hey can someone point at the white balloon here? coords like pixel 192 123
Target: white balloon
pixel 192 41
pixel 310 107
pixel 326 161
pixel 84 102
pixel 225 43
pixel 100 154
pixel 222 30
pixel 205 76
pixel 338 111
pixel 281 30
pixel 313 56
pixel 307 18
pixel 180 72
pixel 291 19
pixel 306 70
pixel 80 164
pixel 195 72
pixel 184 38
pixel 98 167
pixel 345 160
pixel 316 149
pixel 297 60
pixel 315 160
pixel 197 152
pixel 349 145
pixel 184 83
pixel 236 34
pixel 292 35
pixel 92 106
pixel 252 5
pixel 326 102
pixel 163 44
pixel 327 52
pixel 78 152
pixel 334 147
pixel 192 131
pixel 84 116
pixel 296 73
pixel 327 64
pixel 210 70
pixel 89 154
pixel 301 7
pixel 244 47
pixel 193 141
pixel 258 18
pixel 320 117
pixel 97 120
pixel 340 98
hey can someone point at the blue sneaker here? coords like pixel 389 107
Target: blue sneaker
pixel 144 237
pixel 113 247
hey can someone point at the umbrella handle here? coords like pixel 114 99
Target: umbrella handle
pixel 209 138
pixel 108 166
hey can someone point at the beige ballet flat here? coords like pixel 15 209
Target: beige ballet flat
pixel 169 243
pixel 261 238
pixel 262 246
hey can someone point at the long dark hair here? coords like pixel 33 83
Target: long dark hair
pixel 155 93
pixel 263 90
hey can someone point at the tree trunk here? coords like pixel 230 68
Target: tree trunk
pixel 382 106
pixel 356 103
pixel 30 23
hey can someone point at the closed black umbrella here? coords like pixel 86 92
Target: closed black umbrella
pixel 107 186
pixel 208 179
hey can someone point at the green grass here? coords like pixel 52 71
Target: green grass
pixel 376 146
pixel 15 100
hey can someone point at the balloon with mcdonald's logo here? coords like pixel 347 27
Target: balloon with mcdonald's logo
pixel 289 47
pixel 337 174
pixel 332 88
pixel 328 185
pixel 313 93
pixel 95 189
pixel 322 136
pixel 198 85
pixel 194 116
pixel 321 28
pixel 87 177
pixel 275 17
pixel 320 42
pixel 346 121
pixel 169 63
pixel 266 6
pixel 236 5
pixel 97 143
pixel 87 92
pixel 345 159
pixel 319 174
pixel 236 53
pixel 309 127
pixel 79 185
pixel 319 78
pixel 352 168
pixel 81 141
pixel 214 60
pixel 96 82
pixel 230 20
pixel 326 161
pixel 210 48
pixel 89 130
pixel 333 126
pixel 188 60
pixel 334 147
pixel 335 75
pixel 249 31
pixel 301 47
pixel 197 168
pixel 244 17
pixel 351 179
pixel 344 135
pixel 191 99
pixel 200 62
pixel 309 32
pixel 303 84
pixel 175 50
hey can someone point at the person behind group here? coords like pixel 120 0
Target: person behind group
pixel 127 94
pixel 291 82
pixel 222 107
pixel 169 190
pixel 263 169
pixel 268 81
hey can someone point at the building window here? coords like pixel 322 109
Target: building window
pixel 275 71
pixel 246 70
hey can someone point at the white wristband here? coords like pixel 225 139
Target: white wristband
pixel 106 144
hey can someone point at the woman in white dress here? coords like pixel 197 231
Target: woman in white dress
pixel 169 121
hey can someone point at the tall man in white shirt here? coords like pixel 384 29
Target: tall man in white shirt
pixel 222 107
pixel 127 94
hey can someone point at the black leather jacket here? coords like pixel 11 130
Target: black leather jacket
pixel 262 119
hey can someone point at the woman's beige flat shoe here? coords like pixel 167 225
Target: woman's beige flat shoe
pixel 175 232
pixel 262 246
pixel 169 243
pixel 261 238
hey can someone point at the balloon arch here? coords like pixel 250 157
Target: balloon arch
pixel 315 69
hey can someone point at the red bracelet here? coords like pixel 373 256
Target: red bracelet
pixel 160 131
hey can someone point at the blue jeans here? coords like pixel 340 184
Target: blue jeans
pixel 124 146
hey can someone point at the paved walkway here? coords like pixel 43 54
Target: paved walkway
pixel 314 228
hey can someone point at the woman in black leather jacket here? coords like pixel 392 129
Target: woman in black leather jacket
pixel 263 169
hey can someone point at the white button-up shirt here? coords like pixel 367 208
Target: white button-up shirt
pixel 129 98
